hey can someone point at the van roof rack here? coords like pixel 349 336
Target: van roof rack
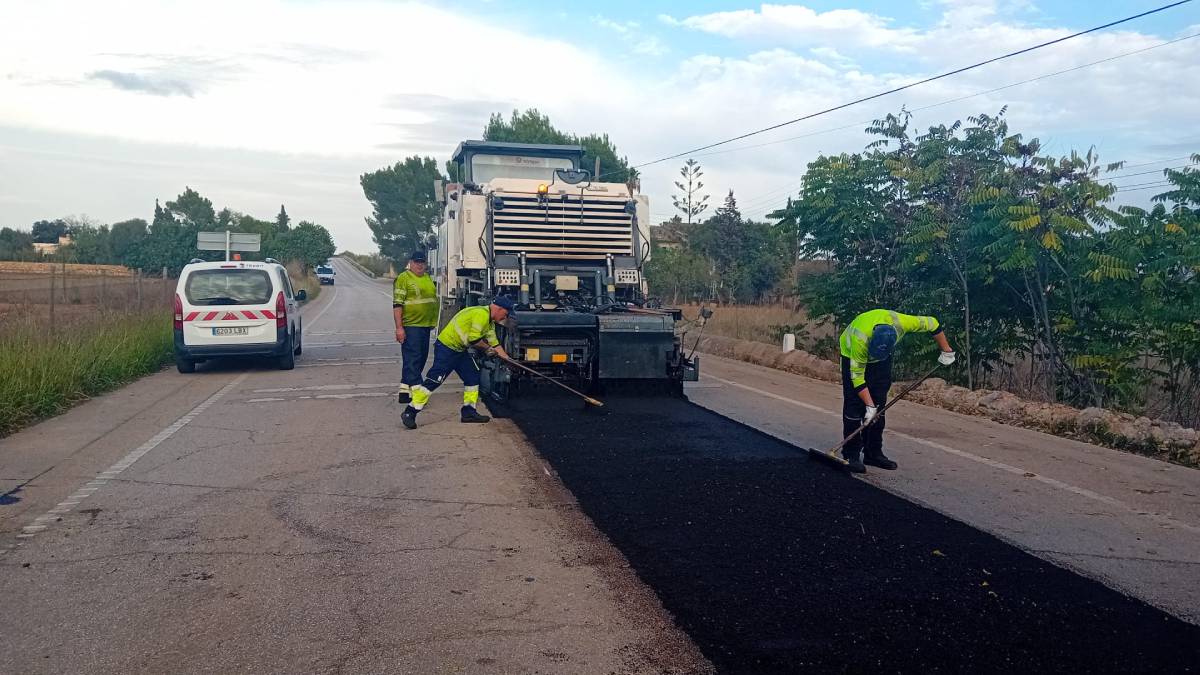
pixel 271 260
pixel 195 260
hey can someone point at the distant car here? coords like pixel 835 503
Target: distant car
pixel 325 274
pixel 236 309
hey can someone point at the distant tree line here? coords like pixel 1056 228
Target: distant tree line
pixel 169 239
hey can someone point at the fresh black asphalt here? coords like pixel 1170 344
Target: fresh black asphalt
pixel 775 563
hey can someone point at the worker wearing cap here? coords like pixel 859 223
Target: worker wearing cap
pixel 471 328
pixel 867 346
pixel 415 309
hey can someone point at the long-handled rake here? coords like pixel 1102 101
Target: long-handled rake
pixel 585 397
pixel 831 455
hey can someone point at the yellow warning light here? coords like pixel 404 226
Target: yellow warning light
pixel 558 358
pixel 533 354
pixel 543 189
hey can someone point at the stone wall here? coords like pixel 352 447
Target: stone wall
pixel 1156 438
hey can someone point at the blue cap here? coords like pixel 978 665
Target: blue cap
pixel 503 301
pixel 418 256
pixel 883 341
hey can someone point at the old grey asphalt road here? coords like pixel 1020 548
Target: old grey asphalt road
pixel 1128 521
pixel 245 519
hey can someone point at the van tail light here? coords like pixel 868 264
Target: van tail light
pixel 280 311
pixel 178 312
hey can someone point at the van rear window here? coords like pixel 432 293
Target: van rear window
pixel 228 287
pixel 324 270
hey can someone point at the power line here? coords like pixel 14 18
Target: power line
pixel 917 83
pixel 1146 173
pixel 963 98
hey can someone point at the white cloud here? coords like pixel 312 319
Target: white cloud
pixel 637 40
pixel 797 25
pixel 292 101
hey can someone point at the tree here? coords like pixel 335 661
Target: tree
pixel 282 220
pixel 404 206
pixel 532 126
pixel 90 245
pixel 48 231
pixel 16 245
pixel 192 210
pixel 125 235
pixel 690 204
pixel 307 243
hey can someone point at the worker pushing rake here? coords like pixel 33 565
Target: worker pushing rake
pixel 867 347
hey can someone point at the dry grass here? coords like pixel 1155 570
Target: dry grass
pixel 116 292
pixel 10 267
pixel 764 323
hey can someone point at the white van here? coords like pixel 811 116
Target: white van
pixel 236 308
pixel 325 274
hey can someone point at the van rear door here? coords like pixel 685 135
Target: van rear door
pixel 229 306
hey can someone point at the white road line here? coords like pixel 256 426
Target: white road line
pixel 1015 470
pixel 366 394
pixel 327 345
pixel 344 397
pixel 377 362
pixel 326 307
pixel 53 515
pixel 329 387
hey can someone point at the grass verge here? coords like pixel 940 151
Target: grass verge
pixel 45 372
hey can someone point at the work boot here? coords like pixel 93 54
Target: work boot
pixel 855 462
pixel 409 417
pixel 880 461
pixel 472 416
pixel 405 396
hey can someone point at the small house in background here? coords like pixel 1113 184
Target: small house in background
pixel 669 234
pixel 52 248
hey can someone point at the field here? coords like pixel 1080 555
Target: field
pixel 64 338
pixel 767 324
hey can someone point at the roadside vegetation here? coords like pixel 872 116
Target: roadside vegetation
pixel 46 370
pixel 1047 278
pixel 169 239
pixel 374 263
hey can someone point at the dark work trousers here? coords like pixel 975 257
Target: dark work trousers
pixel 879 381
pixel 446 361
pixel 415 352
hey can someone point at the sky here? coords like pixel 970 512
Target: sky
pixel 107 106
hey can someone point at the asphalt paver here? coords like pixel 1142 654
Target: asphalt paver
pixel 774 563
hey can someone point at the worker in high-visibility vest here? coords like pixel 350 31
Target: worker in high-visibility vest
pixel 415 311
pixel 867 345
pixel 472 328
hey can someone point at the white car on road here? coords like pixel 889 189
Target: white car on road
pixel 236 308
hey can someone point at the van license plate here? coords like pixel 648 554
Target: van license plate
pixel 242 330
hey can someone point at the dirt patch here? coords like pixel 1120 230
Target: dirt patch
pixel 775 564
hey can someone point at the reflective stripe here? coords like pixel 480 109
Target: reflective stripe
pixel 471 395
pixel 421 301
pixel 420 396
pixel 462 335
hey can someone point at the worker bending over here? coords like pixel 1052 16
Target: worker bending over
pixel 415 310
pixel 473 327
pixel 867 346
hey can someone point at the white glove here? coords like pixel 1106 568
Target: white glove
pixel 872 413
pixel 946 358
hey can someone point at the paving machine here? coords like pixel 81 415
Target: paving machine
pixel 526 221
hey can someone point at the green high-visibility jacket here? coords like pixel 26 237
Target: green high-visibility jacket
pixel 857 336
pixel 418 296
pixel 468 327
